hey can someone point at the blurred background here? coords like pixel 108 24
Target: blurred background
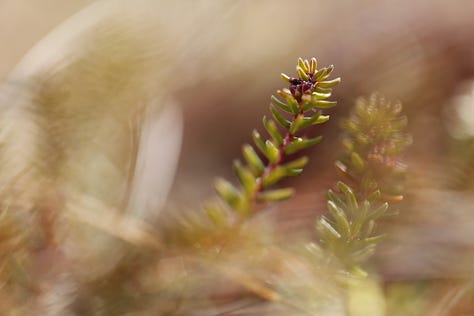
pixel 220 61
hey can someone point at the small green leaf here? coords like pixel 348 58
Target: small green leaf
pixel 285 93
pixel 341 168
pixel 363 254
pixel 276 195
pixel 253 160
pixel 307 103
pixel 328 229
pixel 374 196
pixel 285 77
pixel 314 65
pixel 228 192
pixel 321 119
pixel 310 120
pixel 367 228
pixel 376 239
pixel 340 218
pixel 303 65
pixel 282 105
pixel 320 73
pixel 315 119
pixel 360 216
pixel 293 172
pixel 323 104
pixel 279 118
pixel 377 212
pixel 272 129
pixel 296 125
pixel 372 240
pixel 297 164
pixel 301 73
pixel 390 214
pixel 272 152
pixel 329 83
pixel 273 177
pixel 259 142
pixel 320 96
pixel 357 162
pixel 215 214
pixel 294 106
pixel 364 210
pixel 299 143
pixel 349 195
pixel 246 177
pixel 336 199
pixel 329 70
pixel 322 90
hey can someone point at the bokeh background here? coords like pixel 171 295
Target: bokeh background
pixel 418 52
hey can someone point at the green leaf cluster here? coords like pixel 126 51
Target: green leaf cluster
pixel 372 167
pixel 374 140
pixel 295 108
pixel 349 229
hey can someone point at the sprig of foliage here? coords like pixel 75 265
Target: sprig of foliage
pixel 294 109
pixel 371 164
pixel 215 237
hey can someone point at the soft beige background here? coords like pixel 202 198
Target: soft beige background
pixel 418 51
pixel 24 22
